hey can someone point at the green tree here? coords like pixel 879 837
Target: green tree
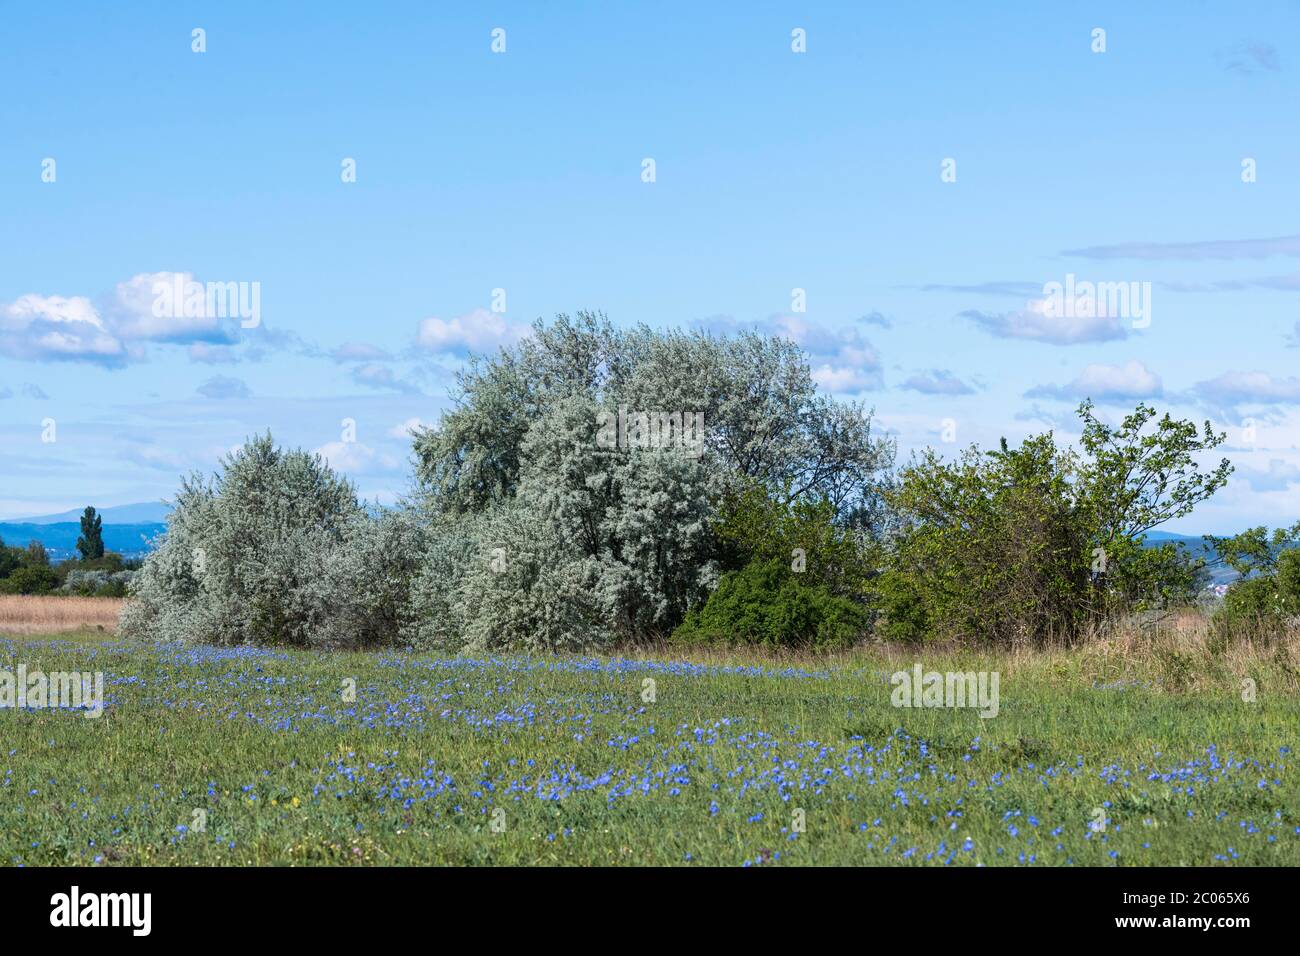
pixel 36 556
pixel 31 579
pixel 598 541
pixel 1267 594
pixel 91 542
pixel 1255 551
pixel 1134 478
pixel 992 549
pixel 1021 545
pixel 10 559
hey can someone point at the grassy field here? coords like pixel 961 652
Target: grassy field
pixel 46 614
pixel 1126 753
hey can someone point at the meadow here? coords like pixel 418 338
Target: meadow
pixel 1138 749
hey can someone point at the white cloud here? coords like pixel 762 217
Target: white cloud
pixel 221 387
pixel 375 375
pixel 356 458
pixel 1036 323
pixel 1248 388
pixel 213 354
pixel 938 382
pixel 60 328
pixel 404 429
pixel 480 331
pixel 346 455
pixel 843 361
pixel 1278 475
pixel 51 328
pixel 133 315
pixel 845 380
pixel 1133 380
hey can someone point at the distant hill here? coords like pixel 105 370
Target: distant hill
pixel 60 537
pixel 1196 546
pixel 143 512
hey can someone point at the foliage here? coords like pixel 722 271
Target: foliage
pixel 275 549
pixel 595 544
pixel 764 419
pixel 767 603
pixel 30 579
pixel 1132 480
pixel 602 543
pixel 91 543
pixel 1021 545
pixel 1255 550
pixel 755 524
pixel 532 530
pixel 10 559
pixel 1267 596
pixel 95 583
pixel 995 547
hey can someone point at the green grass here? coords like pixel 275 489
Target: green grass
pixel 288 772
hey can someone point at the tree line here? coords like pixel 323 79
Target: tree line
pixel 533 525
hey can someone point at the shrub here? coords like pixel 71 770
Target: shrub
pixel 367 582
pixel 1020 545
pixel 995 549
pixel 903 606
pixel 10 559
pixel 1262 606
pixel 594 545
pixel 766 603
pixel 526 587
pixel 275 549
pixel 110 561
pixel 756 524
pixel 95 582
pixel 30 579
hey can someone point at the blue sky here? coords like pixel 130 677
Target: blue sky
pixel 522 171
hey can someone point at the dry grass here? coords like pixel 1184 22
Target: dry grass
pixel 47 614
pixel 1171 652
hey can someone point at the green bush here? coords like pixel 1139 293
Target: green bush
pixel 994 551
pixel 1023 545
pixel 903 606
pixel 1266 598
pixel 1262 606
pixel 31 579
pixel 767 603
pixel 757 525
pixel 10 559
